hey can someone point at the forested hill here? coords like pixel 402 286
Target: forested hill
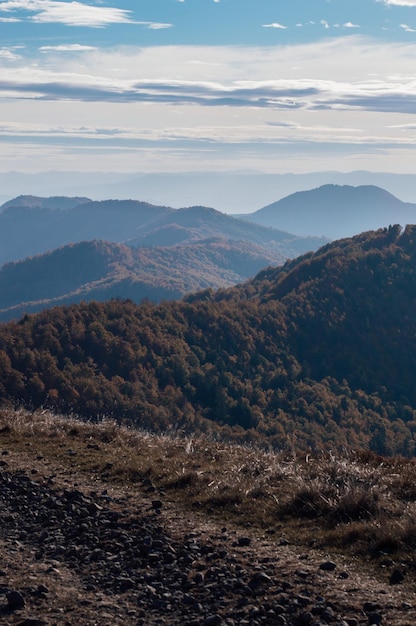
pixel 99 270
pixel 320 352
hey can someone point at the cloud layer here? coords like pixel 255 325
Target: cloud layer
pixel 343 98
pixel 176 77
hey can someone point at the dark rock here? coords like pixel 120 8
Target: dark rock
pixel 243 542
pixel 259 579
pixel 396 578
pixel 328 566
pixel 126 583
pixel 213 620
pixel 15 600
pixel 328 615
pixel 375 619
pixel 304 619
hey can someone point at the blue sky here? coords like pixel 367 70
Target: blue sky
pixel 197 85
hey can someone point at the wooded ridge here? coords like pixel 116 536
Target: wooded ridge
pixel 319 352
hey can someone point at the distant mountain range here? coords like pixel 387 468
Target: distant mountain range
pixel 335 211
pixel 229 192
pixel 62 250
pixel 30 226
pixel 72 248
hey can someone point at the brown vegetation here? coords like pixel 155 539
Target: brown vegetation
pixel 313 356
pixel 358 503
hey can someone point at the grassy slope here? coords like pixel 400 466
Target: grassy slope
pixel 359 505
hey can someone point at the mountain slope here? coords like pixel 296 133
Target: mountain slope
pixel 101 270
pixel 29 230
pixel 335 211
pixel 319 352
pixel 26 231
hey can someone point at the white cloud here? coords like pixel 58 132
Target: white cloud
pixel 73 47
pixel 72 13
pixel 9 54
pixel 399 3
pixel 407 28
pixel 155 25
pixel 350 25
pixel 274 25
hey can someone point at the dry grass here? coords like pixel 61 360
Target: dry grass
pixel 358 503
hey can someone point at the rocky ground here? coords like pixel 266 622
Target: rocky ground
pixel 75 552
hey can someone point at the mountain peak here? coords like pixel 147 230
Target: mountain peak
pixel 335 211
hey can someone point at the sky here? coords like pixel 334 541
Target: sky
pixel 208 85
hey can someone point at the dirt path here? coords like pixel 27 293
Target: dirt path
pixel 75 552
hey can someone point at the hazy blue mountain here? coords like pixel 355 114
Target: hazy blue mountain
pixel 27 231
pixel 101 270
pixel 35 202
pixel 335 211
pixel 229 192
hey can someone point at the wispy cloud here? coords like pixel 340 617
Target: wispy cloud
pixel 98 77
pixel 9 53
pixel 72 13
pixel 303 94
pixel 407 28
pixel 73 47
pixel 155 25
pixel 399 3
pixel 274 25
